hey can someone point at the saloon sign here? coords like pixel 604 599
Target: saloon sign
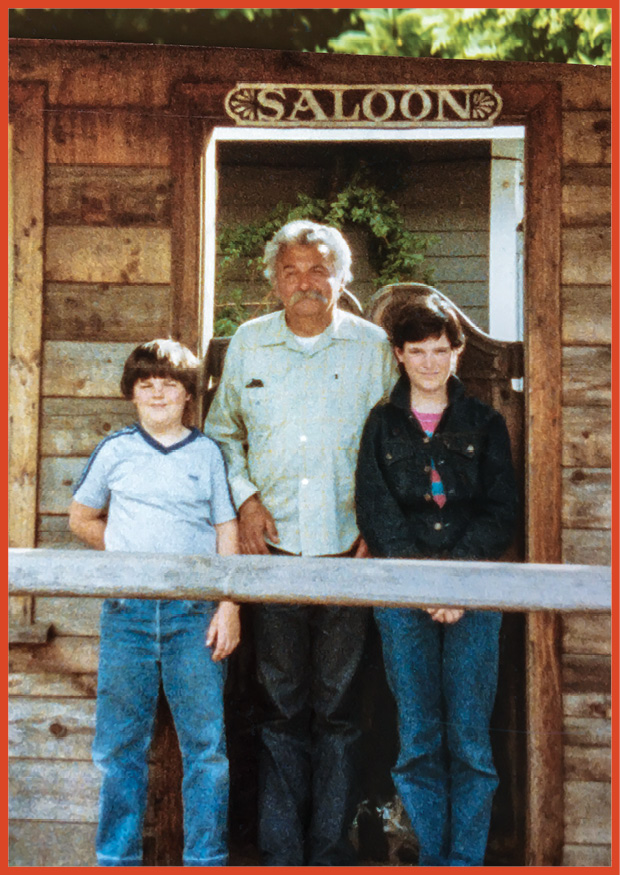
pixel 391 106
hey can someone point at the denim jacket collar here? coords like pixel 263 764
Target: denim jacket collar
pixel 400 395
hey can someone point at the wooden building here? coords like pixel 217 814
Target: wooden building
pixel 114 165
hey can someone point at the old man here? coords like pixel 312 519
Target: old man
pixel 296 389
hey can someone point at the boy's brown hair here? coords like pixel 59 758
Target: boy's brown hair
pixel 161 358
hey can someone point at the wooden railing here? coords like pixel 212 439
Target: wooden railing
pixel 400 582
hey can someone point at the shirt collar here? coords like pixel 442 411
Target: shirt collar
pixel 340 328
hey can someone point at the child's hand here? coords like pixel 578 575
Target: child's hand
pixel 224 630
pixel 445 615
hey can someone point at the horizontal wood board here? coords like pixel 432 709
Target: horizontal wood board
pixel 511 586
pixel 588 812
pixel 48 843
pixel 112 255
pixel 586 315
pixel 109 196
pixel 51 730
pixel 85 370
pixel 53 790
pixel 74 426
pixel 586 498
pixel 586 633
pixel 106 312
pixel 586 546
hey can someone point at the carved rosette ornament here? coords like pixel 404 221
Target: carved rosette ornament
pixel 392 106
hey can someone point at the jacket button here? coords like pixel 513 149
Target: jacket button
pixel 427 469
pixel 438 527
pixel 470 448
pixel 388 455
pixel 428 497
pixel 426 439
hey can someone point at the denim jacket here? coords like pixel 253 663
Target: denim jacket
pixel 470 448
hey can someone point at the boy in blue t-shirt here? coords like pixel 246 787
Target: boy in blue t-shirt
pixel 158 486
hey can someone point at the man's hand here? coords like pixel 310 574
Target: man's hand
pixel 224 630
pixel 445 615
pixel 255 522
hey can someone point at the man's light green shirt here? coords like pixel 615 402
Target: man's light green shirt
pixel 289 421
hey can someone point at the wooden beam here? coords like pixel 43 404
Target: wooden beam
pixel 27 104
pixel 509 586
pixel 188 143
pixel 545 742
pixel 543 368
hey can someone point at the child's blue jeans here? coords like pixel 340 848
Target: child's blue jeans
pixel 444 678
pixel 143 640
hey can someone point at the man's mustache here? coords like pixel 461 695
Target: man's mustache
pixel 312 294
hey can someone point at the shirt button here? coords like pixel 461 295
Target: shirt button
pixel 438 527
pixel 305 481
pixel 428 497
pixel 303 438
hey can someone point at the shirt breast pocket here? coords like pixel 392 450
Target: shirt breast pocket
pixel 261 409
pixel 463 455
pixel 405 470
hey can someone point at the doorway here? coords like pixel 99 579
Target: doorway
pixel 463 190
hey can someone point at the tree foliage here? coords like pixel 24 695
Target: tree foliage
pixel 572 35
pixel 562 35
pixel 294 29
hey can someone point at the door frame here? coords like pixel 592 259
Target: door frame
pixel 196 108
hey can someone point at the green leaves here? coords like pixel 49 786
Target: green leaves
pixel 580 36
pixel 562 35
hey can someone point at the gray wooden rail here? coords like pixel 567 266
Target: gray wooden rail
pixel 403 582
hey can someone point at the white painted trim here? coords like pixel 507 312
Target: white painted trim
pixel 208 245
pixel 340 135
pixel 505 217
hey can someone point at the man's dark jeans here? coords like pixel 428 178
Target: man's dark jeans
pixel 308 660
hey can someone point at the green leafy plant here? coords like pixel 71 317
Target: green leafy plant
pixel 395 253
pixel 563 35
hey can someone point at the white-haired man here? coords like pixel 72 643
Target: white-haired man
pixel 296 389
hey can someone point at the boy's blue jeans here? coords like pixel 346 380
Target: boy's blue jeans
pixel 444 678
pixel 143 640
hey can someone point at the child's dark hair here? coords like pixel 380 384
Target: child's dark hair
pixel 422 317
pixel 161 358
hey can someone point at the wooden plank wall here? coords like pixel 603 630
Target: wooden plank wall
pixel 586 512
pixel 107 287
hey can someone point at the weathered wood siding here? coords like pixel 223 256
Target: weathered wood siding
pixel 107 288
pixel 586 460
pixel 107 268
